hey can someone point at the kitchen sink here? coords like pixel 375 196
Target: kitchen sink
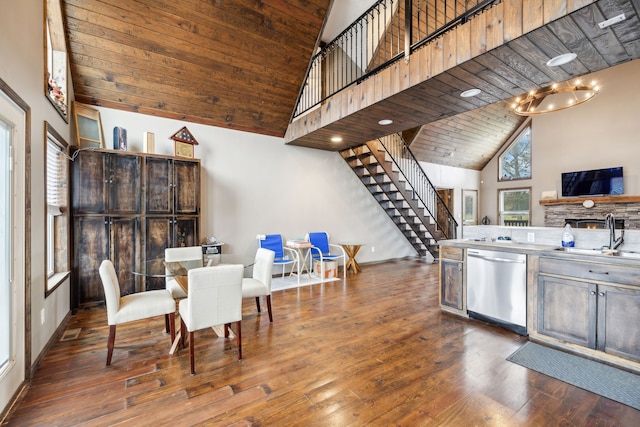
pixel 581 251
pixel 628 254
pixel 605 252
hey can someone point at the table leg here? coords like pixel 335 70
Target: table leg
pixel 303 260
pixel 351 251
pixel 175 344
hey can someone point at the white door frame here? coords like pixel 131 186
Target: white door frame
pixel 12 377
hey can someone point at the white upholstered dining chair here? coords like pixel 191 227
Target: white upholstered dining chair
pixel 129 308
pixel 215 298
pixel 260 283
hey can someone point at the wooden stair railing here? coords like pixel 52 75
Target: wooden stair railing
pixel 395 179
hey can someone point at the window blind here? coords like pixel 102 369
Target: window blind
pixel 56 179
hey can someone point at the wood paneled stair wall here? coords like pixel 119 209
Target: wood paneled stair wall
pixel 379 172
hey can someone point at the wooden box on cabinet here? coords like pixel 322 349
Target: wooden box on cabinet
pixel 452 297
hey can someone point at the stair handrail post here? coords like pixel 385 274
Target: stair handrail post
pixel 380 37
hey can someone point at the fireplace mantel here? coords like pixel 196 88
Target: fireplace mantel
pixel 596 199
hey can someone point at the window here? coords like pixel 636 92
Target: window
pixel 57 237
pixel 515 206
pixel 515 161
pixel 56 58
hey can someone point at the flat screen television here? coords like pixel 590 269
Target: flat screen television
pixel 596 182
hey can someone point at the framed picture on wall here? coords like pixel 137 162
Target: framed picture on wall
pixel 88 126
pixel 469 207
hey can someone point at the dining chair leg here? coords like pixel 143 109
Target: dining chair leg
pixel 110 342
pixel 183 332
pixel 192 359
pixel 226 330
pixel 166 323
pixel 269 308
pixel 258 303
pixel 172 326
pixel 239 338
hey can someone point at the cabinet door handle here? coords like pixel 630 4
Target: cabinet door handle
pixel 459 266
pixel 598 272
pixel 592 293
pixel 601 294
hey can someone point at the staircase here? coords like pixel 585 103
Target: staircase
pixel 395 179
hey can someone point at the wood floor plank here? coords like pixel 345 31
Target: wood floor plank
pixel 372 350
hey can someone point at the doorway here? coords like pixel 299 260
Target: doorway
pixel 13 124
pixel 446 194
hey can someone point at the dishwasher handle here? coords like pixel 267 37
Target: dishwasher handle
pixel 495 259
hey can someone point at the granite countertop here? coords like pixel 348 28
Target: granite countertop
pixel 617 257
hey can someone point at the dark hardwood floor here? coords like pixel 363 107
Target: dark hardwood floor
pixel 374 351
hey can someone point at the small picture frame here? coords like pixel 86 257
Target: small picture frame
pixel 88 126
pixel 119 138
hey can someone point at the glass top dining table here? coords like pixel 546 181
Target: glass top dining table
pixel 158 268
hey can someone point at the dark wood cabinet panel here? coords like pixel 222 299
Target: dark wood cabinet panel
pixel 91 237
pixel 159 194
pixel 112 222
pixel 567 310
pixel 186 187
pixel 105 183
pixel 98 238
pixel 452 296
pixel 90 183
pixel 590 304
pixel 451 284
pixel 168 232
pixel 125 239
pixel 619 317
pixel 124 184
pixel 185 231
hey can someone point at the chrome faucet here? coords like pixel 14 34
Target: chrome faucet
pixel 610 222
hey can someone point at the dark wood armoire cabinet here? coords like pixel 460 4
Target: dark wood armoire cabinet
pixel 128 207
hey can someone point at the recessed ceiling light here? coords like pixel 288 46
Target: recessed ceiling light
pixel 471 92
pixel 385 122
pixel 336 139
pixel 565 58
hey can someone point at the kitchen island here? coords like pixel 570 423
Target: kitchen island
pixel 583 300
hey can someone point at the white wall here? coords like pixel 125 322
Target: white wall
pixel 598 134
pixel 22 68
pixel 251 183
pixel 254 184
pixel 456 178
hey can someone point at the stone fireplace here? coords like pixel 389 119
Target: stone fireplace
pixel 557 212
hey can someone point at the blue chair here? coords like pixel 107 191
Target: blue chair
pixel 321 250
pixel 274 243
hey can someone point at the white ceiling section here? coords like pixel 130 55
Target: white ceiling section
pixel 343 13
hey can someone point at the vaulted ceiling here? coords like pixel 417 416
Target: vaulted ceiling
pixel 232 64
pixel 240 65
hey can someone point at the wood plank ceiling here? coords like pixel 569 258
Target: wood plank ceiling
pixel 233 64
pixel 240 64
pixel 470 128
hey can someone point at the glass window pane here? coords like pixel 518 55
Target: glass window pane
pixel 515 207
pixel 515 162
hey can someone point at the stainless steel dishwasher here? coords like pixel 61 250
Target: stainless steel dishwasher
pixel 497 288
